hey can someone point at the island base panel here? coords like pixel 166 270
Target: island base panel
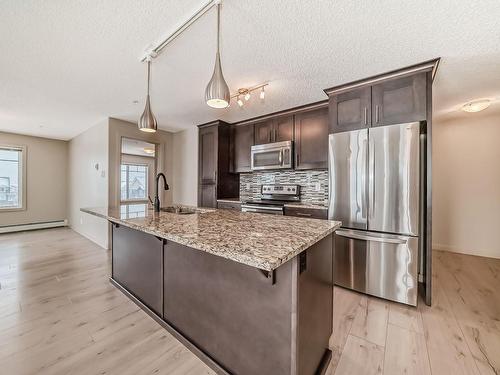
pixel 234 317
pixel 137 264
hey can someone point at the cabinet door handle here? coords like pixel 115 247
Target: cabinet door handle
pixel 366 115
pixel 376 113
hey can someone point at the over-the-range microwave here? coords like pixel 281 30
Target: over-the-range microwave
pixel 277 155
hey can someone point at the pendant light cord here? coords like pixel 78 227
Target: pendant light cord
pixel 149 69
pixel 218 28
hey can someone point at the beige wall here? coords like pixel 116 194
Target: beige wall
pixel 46 180
pixel 88 187
pixel 466 184
pixel 185 173
pixel 163 139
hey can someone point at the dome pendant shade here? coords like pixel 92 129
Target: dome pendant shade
pixel 147 122
pixel 217 93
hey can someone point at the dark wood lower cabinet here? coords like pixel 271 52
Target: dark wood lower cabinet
pixel 312 213
pixel 229 205
pixel 138 265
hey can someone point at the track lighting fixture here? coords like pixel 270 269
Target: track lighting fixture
pixel 246 93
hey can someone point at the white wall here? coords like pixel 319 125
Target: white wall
pixel 88 187
pixel 46 180
pixel 185 167
pixel 466 184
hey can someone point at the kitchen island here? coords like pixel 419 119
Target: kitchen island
pixel 247 293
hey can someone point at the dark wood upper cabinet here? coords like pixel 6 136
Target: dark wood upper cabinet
pixel 399 100
pixel 283 129
pixel 215 179
pixel 350 110
pixel 275 129
pixel 241 142
pixel 263 131
pixel 208 154
pixel 311 139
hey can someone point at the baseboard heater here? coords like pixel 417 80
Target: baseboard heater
pixel 32 226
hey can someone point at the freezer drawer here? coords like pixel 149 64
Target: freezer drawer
pixel 379 264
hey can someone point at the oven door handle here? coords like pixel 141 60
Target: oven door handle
pixel 255 207
pixel 280 157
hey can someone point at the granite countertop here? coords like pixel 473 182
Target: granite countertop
pixel 257 240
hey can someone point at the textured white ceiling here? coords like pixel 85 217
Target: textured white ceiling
pixel 65 65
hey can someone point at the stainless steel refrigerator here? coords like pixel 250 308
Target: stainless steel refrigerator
pixel 375 191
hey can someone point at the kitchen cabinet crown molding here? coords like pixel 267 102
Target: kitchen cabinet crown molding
pixel 211 123
pixel 290 111
pixel 430 65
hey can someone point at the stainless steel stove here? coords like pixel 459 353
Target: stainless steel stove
pixel 273 199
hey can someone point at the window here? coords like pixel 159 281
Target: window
pixel 134 182
pixel 11 178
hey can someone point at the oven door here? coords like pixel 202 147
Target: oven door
pixel 272 156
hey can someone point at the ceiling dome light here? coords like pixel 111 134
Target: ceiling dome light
pixel 476 105
pixel 217 93
pixel 147 123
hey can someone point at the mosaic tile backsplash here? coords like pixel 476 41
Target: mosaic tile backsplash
pixel 309 182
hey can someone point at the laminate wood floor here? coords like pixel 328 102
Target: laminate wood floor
pixel 60 315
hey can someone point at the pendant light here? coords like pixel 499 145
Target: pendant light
pixel 217 93
pixel 147 122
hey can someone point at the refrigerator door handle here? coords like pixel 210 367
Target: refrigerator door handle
pixel 371 177
pixel 367 237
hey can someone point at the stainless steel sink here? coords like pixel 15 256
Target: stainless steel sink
pixel 178 210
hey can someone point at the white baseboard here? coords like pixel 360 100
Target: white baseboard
pixel 454 249
pixel 105 245
pixel 33 226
